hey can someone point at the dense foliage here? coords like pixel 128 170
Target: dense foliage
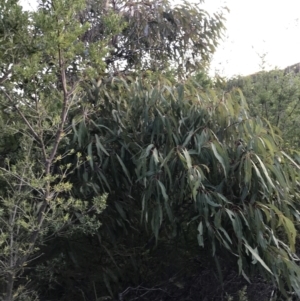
pixel 156 35
pixel 118 184
pixel 198 159
pixel 274 95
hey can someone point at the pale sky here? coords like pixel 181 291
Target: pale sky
pixel 254 28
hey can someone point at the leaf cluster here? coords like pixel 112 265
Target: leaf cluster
pixel 274 95
pixel 194 158
pixel 155 35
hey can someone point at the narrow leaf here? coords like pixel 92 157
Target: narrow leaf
pixel 219 158
pixel 163 190
pixel 124 168
pixel 256 256
pixel 100 146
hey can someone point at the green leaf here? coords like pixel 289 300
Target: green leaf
pixel 120 210
pixel 148 149
pixel 291 233
pixel 82 132
pixel 222 197
pixel 258 174
pixel 163 190
pixel 288 225
pixel 187 158
pixel 188 138
pixel 269 144
pixel 100 146
pixel 240 264
pixel 287 156
pixel 236 223
pixel 169 211
pixel 245 276
pixel 210 202
pixel 265 171
pixel 270 127
pixel 200 235
pixel 219 158
pixel 247 169
pixel 218 219
pixel 279 177
pixel 226 234
pixel 124 169
pixel 103 178
pixel 256 256
pixel 90 154
pixel 156 221
pixel 155 155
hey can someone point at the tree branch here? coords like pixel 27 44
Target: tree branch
pixel 64 111
pixel 33 132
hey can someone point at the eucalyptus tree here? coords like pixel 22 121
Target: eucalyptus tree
pixel 157 35
pixel 192 161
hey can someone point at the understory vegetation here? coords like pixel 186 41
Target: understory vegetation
pixel 127 173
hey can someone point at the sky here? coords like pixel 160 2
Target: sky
pixel 255 29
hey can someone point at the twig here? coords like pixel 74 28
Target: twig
pixel 33 132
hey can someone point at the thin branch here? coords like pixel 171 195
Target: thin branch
pixel 33 132
pixel 40 123
pixel 22 180
pixel 64 111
